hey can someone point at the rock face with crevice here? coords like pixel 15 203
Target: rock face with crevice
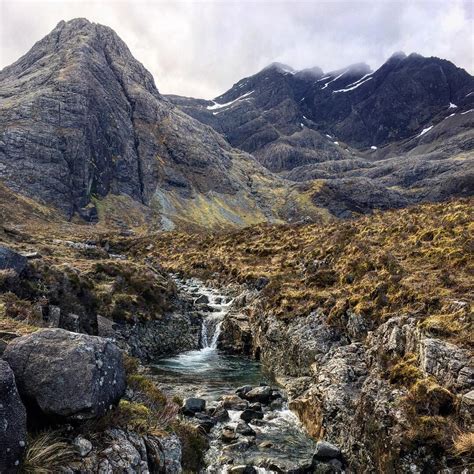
pixel 82 119
pixel 338 385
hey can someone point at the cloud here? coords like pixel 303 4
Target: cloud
pixel 200 49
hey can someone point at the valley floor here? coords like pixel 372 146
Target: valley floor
pixel 366 323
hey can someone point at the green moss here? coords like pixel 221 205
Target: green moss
pixel 405 372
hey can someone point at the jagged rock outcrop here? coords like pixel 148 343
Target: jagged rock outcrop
pixel 10 260
pixel 407 127
pixel 337 382
pixel 84 128
pixel 12 422
pixel 68 375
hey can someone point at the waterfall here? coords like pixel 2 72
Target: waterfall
pixel 212 321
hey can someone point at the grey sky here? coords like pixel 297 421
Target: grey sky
pixel 200 48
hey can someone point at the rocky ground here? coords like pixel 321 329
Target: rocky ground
pixel 366 325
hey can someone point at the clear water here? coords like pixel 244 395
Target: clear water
pixel 209 374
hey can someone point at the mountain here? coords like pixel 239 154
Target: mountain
pixel 407 126
pixel 83 128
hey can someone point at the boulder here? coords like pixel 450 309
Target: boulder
pixel 234 402
pixel 10 260
pixel 193 405
pixel 65 374
pixel 259 394
pixel 202 299
pixel 326 451
pixel 219 413
pixel 242 391
pixel 249 415
pixel 228 435
pixel 244 429
pixel 12 421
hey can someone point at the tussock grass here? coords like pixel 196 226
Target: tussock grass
pixel 414 261
pixel 47 452
pixel 463 444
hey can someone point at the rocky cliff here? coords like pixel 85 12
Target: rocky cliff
pixel 84 128
pixel 405 129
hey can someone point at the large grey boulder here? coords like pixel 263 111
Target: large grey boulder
pixel 10 260
pixel 67 374
pixel 12 421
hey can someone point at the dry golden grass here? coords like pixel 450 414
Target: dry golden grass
pixel 47 452
pixel 415 261
pixel 463 444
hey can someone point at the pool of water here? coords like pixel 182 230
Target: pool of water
pixel 209 374
pixel 206 373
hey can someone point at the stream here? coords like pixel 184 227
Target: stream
pixel 276 442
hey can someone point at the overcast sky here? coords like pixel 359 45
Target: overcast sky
pixel 200 48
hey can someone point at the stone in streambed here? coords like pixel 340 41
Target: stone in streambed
pixel 201 299
pixel 233 402
pixel 12 421
pixel 65 374
pixel 241 391
pixel 193 405
pixel 245 429
pixel 219 413
pixel 243 470
pixel 259 394
pixel 326 451
pixel 228 434
pixel 249 415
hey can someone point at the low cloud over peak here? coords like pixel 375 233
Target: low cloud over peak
pixel 201 48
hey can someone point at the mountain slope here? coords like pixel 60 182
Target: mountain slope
pixel 412 111
pixel 82 121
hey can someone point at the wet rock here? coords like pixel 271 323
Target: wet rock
pixel 10 260
pixel 233 402
pixel 82 446
pixel 219 414
pixel 206 422
pixel 243 470
pixel 192 406
pixel 244 429
pixel 228 434
pixel 242 391
pixel 326 451
pixel 249 415
pixel 241 445
pixel 66 374
pixel 12 421
pixel 259 394
pixel 202 299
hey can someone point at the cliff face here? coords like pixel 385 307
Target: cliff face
pixel 81 120
pixel 407 127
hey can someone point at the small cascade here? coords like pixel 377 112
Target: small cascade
pixel 278 440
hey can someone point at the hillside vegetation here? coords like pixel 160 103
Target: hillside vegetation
pixel 416 261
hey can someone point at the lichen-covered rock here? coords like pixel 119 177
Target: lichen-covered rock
pixel 129 452
pixel 12 422
pixel 67 374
